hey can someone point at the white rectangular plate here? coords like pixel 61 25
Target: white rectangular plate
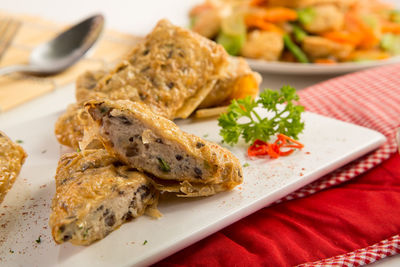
pixel 329 144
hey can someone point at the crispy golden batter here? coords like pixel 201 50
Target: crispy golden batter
pixel 70 128
pixel 70 125
pixel 230 84
pixel 95 194
pixel 86 84
pixel 151 143
pixel 12 156
pixel 171 71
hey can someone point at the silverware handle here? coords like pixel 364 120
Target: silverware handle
pixel 16 68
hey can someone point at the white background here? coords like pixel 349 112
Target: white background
pixel 136 17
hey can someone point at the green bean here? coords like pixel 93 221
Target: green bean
pixel 295 50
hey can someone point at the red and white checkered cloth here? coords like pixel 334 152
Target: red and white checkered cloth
pixel 362 256
pixel 371 99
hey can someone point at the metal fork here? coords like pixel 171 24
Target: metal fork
pixel 8 29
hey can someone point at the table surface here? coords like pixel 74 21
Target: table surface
pixel 135 17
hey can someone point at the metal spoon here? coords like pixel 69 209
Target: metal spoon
pixel 64 50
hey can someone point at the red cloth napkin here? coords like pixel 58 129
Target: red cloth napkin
pixel 354 223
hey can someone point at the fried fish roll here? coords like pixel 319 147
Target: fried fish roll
pixel 171 71
pixel 151 143
pixel 12 157
pixel 95 194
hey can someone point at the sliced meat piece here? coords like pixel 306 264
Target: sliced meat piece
pixel 327 18
pixel 150 143
pixel 165 73
pixel 319 47
pixel 95 194
pixel 12 157
pixel 263 45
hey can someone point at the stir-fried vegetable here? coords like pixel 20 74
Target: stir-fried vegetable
pixel 233 34
pixel 395 16
pixel 299 33
pixel 391 43
pixel 311 31
pixel 232 44
pixel 279 14
pixel 296 51
pixel 306 15
pixel 259 23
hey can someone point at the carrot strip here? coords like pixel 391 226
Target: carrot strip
pixel 260 23
pixel 271 152
pixel 343 37
pixel 261 148
pixel 390 27
pixel 258 2
pixel 290 140
pixel 286 153
pixel 357 32
pixel 279 14
pixel 324 61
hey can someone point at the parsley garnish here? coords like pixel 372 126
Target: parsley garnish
pixel 78 150
pixel 11 251
pixel 19 141
pixel 38 240
pixel 144 243
pixel 246 165
pixel 286 121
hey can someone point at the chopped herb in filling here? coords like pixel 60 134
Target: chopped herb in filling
pixel 163 165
